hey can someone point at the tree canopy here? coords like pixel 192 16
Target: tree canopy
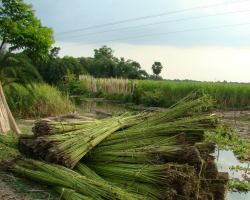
pixel 105 54
pixel 16 68
pixel 157 67
pixel 22 31
pixel 20 28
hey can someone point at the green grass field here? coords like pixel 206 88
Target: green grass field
pixel 225 94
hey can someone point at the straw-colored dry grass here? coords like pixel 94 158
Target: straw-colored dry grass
pixel 109 86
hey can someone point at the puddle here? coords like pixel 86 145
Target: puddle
pixel 109 107
pixel 224 161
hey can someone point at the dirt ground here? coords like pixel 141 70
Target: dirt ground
pixel 13 188
pixel 239 120
pixel 6 192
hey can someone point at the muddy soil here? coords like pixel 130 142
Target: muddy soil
pixel 238 120
pixel 6 192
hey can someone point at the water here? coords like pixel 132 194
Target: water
pixel 226 159
pixel 108 107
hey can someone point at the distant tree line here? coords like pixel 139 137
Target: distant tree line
pixel 103 65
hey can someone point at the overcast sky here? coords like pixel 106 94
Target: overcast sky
pixel 205 40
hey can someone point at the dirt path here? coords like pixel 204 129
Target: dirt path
pixel 6 192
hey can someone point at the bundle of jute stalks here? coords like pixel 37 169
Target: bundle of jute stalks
pixel 170 149
pixel 67 143
pixel 49 127
pixel 151 156
pixel 66 180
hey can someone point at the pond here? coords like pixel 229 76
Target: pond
pixel 107 107
pixel 224 160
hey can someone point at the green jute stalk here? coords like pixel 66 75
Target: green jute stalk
pixel 47 127
pixel 182 109
pixel 57 175
pixel 39 176
pixel 69 194
pixel 129 138
pixel 152 180
pixel 85 171
pixel 160 152
pixel 72 150
pixel 187 125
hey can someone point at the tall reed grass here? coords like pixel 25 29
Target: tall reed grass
pixel 46 101
pixel 109 85
pixel 164 93
pixel 226 94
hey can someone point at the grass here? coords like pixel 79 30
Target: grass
pixel 227 139
pixel 227 95
pixel 46 101
pixel 239 186
pixel 166 93
pixel 8 146
pixel 24 188
pixel 238 167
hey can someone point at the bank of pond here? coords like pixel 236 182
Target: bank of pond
pixel 46 100
pixel 161 93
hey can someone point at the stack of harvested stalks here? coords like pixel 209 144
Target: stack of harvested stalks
pixel 142 156
pixel 68 180
pixel 68 142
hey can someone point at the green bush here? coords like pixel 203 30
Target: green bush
pixel 46 101
pixel 77 87
pixel 155 99
pixel 127 98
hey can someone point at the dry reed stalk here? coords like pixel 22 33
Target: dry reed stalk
pixel 110 86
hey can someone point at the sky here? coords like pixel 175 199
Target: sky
pixel 204 40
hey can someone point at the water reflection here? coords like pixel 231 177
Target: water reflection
pixel 109 107
pixel 224 160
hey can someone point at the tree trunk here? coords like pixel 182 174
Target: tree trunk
pixel 2 44
pixel 7 122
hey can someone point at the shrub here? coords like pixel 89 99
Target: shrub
pixel 77 87
pixel 153 99
pixel 127 98
pixel 46 101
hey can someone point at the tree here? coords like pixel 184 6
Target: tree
pixel 54 52
pixel 22 30
pixel 143 74
pixel 157 67
pixel 14 68
pixel 57 68
pixel 85 62
pixel 104 54
pixel 154 78
pixel 104 63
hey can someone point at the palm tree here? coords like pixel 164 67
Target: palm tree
pixel 14 69
pixel 157 67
